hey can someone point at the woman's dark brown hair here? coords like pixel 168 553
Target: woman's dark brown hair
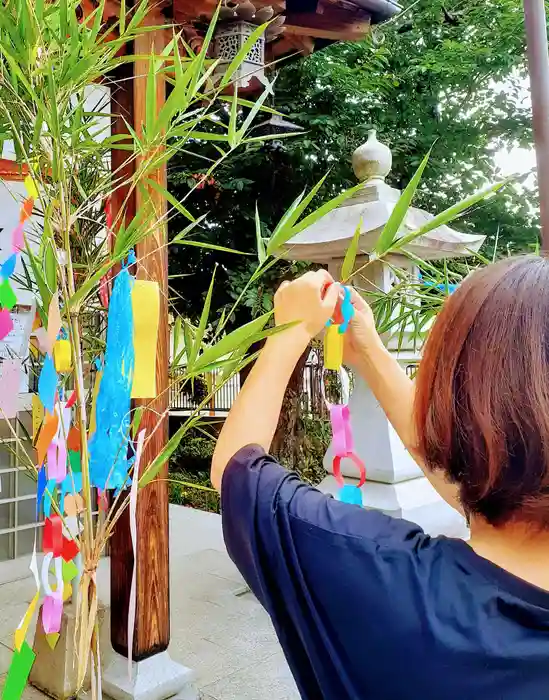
pixel 482 400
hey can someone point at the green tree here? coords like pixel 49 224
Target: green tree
pixel 447 71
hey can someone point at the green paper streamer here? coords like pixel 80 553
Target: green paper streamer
pixel 74 461
pixel 70 571
pixel 7 296
pixel 18 674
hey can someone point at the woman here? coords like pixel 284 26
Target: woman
pixel 367 606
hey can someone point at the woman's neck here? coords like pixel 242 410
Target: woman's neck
pixel 515 547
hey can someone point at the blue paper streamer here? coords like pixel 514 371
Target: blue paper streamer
pixel 109 444
pixel 47 384
pixel 8 267
pixel 40 489
pixel 351 494
pixel 48 495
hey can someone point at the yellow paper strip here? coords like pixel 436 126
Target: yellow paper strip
pixel 37 415
pixel 21 631
pixel 146 318
pixel 31 187
pixel 94 402
pixel 333 348
pixel 52 640
pixel 62 355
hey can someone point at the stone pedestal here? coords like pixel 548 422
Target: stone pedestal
pixel 156 678
pixel 55 670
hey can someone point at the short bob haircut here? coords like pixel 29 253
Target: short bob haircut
pixel 482 397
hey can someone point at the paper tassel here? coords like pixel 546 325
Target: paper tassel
pixel 109 443
pixel 146 318
pixel 18 673
pixel 333 348
pixel 54 322
pixel 351 494
pixel 18 238
pixel 133 532
pixel 6 323
pixel 10 373
pixel 47 384
pixel 37 415
pixel 8 267
pixel 62 355
pixel 7 296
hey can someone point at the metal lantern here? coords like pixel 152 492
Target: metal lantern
pixel 230 37
pixel 238 20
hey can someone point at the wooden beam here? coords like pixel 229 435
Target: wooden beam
pixel 152 622
pixel 289 45
pixel 334 23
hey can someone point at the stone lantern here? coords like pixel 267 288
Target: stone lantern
pixel 395 483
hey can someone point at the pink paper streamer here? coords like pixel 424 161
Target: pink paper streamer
pixel 54 321
pixel 6 323
pixel 10 372
pixel 18 238
pixel 133 533
pixel 41 335
pixel 52 611
pixel 57 460
pixel 52 608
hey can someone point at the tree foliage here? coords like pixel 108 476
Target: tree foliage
pixel 447 72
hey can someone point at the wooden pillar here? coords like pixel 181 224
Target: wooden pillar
pixel 152 622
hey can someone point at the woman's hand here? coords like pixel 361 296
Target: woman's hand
pixel 308 301
pixel 361 332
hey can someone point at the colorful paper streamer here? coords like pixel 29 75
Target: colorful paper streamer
pixel 18 674
pixel 146 319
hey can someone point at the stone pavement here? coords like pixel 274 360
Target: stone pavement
pixel 218 627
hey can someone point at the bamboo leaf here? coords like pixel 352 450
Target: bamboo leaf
pixel 392 227
pixel 279 232
pixel 88 286
pixel 233 117
pixel 199 336
pixel 315 216
pixel 178 238
pixel 350 256
pixel 261 252
pixel 448 215
pixel 209 246
pixel 160 460
pixel 171 199
pixel 246 334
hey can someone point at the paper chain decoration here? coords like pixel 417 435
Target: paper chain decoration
pixel 127 371
pixel 340 418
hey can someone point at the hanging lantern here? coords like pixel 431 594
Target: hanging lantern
pixel 238 21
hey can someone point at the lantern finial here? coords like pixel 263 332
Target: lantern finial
pixel 372 160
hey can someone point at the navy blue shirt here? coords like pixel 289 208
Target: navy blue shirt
pixel 369 607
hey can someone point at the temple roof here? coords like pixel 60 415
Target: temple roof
pixel 309 24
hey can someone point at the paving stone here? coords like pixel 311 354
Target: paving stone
pixel 5 658
pixel 268 679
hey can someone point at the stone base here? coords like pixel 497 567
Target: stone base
pixel 156 678
pixel 415 500
pixel 54 671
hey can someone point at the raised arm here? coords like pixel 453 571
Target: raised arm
pixel 392 388
pixel 254 415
